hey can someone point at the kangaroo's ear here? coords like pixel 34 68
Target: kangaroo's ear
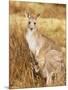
pixel 37 15
pixel 27 15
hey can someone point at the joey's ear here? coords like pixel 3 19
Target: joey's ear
pixel 27 15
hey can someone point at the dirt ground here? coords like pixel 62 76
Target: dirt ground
pixel 20 61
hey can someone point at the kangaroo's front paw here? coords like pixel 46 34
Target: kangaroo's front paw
pixel 36 71
pixel 36 68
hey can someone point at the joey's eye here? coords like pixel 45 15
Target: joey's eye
pixel 34 23
pixel 29 22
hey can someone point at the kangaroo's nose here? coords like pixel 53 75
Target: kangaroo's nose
pixel 31 28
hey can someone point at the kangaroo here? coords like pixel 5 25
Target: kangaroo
pixel 48 56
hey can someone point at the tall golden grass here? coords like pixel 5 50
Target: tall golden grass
pixel 21 72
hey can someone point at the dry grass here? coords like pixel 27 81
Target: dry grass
pixel 46 10
pixel 21 72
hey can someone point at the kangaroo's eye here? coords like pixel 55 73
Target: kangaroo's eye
pixel 34 23
pixel 29 22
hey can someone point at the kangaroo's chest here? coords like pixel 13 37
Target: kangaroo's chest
pixel 32 41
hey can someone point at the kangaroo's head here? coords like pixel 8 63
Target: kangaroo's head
pixel 32 21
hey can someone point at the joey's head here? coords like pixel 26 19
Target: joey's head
pixel 32 21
